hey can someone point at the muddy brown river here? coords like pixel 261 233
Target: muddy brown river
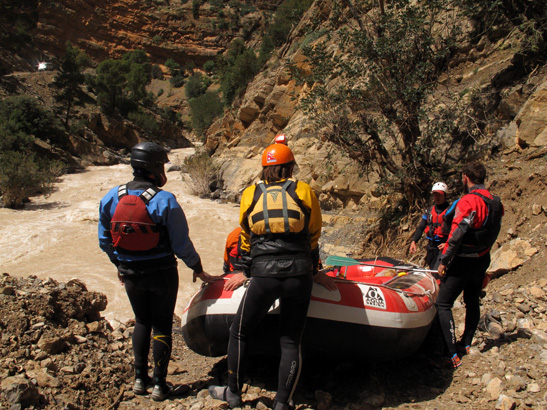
pixel 56 237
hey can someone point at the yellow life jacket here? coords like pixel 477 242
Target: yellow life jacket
pixel 276 209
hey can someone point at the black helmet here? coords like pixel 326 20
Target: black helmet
pixel 148 156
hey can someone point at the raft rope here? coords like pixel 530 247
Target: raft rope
pixel 386 286
pixel 379 285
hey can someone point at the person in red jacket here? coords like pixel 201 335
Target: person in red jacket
pixel 466 257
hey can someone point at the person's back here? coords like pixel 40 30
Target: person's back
pixel 281 225
pixel 474 229
pixel 142 228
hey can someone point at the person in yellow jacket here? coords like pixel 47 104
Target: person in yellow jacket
pixel 281 225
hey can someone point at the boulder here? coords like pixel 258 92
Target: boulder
pixel 510 256
pixel 531 119
pixel 21 391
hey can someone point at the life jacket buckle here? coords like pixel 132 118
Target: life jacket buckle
pixel 127 229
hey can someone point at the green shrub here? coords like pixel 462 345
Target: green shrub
pixel 200 173
pixel 171 115
pixel 204 109
pixel 155 72
pixel 23 175
pixel 25 169
pixel 197 85
pixel 247 8
pixel 209 66
pixel 386 70
pixel 177 81
pixel 22 120
pixel 172 65
pixel 121 84
pixel 77 127
pixel 236 70
pixel 146 121
pixel 288 13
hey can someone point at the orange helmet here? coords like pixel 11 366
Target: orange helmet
pixel 277 154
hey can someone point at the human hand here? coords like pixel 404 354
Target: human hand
pixel 323 279
pixel 121 279
pixel 441 270
pixel 442 246
pixel 235 281
pixel 412 247
pixel 204 276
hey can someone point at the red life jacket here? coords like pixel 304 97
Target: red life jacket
pixel 434 228
pixel 133 230
pixel 482 239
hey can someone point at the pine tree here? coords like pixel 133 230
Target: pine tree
pixel 69 80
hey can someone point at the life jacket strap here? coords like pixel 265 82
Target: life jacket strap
pixel 265 207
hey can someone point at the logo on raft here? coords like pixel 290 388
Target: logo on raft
pixel 375 298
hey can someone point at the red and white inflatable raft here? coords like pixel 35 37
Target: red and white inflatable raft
pixel 378 313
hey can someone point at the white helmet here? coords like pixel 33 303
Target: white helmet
pixel 281 139
pixel 439 187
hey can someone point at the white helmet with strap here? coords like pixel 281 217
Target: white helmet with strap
pixel 440 187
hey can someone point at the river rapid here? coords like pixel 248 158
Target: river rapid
pixel 56 237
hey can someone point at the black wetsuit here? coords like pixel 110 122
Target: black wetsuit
pixel 153 295
pixel 294 297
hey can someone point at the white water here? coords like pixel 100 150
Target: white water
pixel 57 236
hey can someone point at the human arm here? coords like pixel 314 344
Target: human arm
pixel 448 218
pixel 315 223
pixel 310 201
pixel 462 221
pixel 245 235
pixel 418 233
pixel 204 276
pixel 325 280
pixel 107 207
pixel 170 214
pixel 235 281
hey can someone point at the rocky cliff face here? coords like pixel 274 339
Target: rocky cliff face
pixel 108 29
pixel 270 106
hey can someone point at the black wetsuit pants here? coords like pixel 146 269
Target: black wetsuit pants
pixel 294 298
pixel 462 275
pixel 153 298
pixel 433 256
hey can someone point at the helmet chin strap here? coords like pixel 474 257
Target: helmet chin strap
pixel 158 178
pixel 162 179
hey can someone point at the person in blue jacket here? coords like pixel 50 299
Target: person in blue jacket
pixel 141 229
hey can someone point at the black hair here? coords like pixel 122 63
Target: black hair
pixel 475 171
pixel 274 173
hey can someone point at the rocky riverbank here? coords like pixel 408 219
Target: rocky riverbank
pixel 59 353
